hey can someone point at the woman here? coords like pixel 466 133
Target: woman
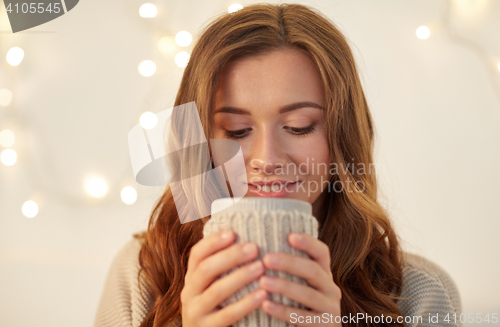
pixel 282 82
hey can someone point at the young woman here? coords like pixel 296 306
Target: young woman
pixel 281 81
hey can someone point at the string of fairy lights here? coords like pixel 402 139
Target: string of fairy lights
pixel 96 186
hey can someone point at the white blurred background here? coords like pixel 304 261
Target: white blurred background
pixel 77 92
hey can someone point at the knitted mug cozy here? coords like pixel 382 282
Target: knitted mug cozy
pixel 267 223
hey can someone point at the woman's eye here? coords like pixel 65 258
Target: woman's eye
pixel 295 131
pixel 235 134
pixel 301 131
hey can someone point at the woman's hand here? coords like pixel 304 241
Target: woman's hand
pixel 321 294
pixel 201 295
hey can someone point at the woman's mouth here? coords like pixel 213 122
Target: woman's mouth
pixel 277 190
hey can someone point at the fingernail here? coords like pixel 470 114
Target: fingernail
pixel 296 237
pixel 267 281
pixel 270 305
pixel 271 258
pixel 256 267
pixel 260 295
pixel 226 234
pixel 249 248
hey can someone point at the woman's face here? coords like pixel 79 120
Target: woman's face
pixel 272 105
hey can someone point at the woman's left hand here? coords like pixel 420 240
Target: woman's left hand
pixel 321 294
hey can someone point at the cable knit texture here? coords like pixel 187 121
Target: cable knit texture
pixel 426 286
pixel 268 229
pixel 121 304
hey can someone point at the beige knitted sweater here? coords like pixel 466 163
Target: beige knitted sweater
pixel 427 287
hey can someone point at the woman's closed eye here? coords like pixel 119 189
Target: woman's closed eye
pixel 295 131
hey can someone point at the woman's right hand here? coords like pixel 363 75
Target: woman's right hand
pixel 209 258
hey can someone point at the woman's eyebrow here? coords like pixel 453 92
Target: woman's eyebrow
pixel 287 108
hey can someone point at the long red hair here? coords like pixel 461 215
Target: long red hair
pixel 365 253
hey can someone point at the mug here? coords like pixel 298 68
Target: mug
pixel 267 223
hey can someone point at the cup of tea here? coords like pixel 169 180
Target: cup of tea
pixel 267 222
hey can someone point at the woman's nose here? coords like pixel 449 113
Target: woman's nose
pixel 268 153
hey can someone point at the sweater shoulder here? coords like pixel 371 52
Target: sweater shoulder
pixel 123 301
pixel 428 289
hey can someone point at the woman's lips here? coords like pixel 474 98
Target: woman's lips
pixel 278 194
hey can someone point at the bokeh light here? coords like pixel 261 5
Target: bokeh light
pixel 29 209
pixel 148 10
pixel 14 56
pixel 8 157
pixel 234 7
pixel 147 68
pixel 167 44
pixel 96 186
pixel 423 32
pixel 128 195
pixel 148 120
pixel 183 38
pixel 182 59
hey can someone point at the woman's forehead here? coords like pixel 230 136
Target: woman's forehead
pixel 281 76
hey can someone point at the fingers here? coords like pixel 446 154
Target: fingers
pixel 288 314
pixel 306 268
pixel 228 285
pixel 300 293
pixel 316 249
pixel 209 245
pixel 201 250
pixel 235 311
pixel 221 262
